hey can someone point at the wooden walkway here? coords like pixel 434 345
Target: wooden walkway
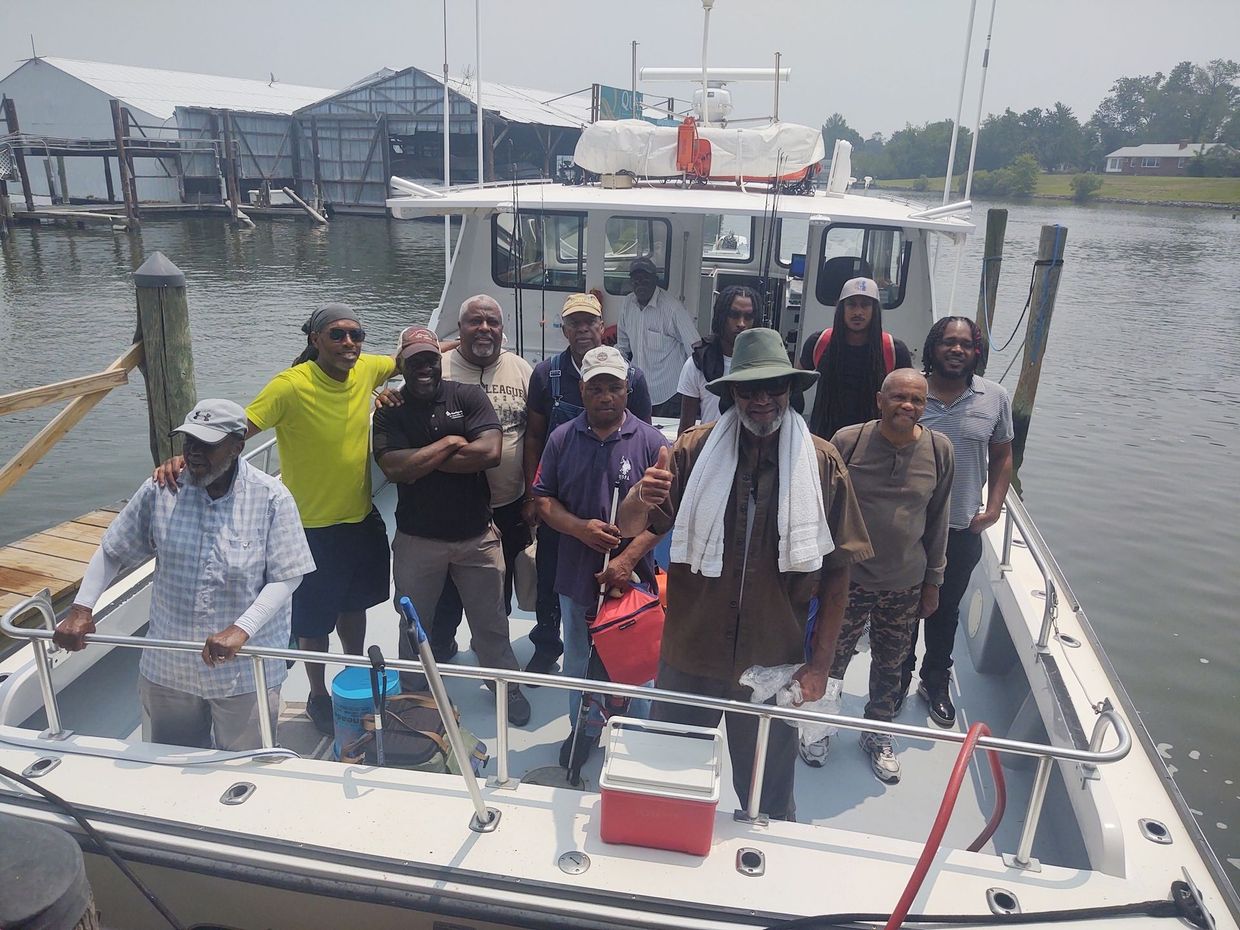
pixel 54 558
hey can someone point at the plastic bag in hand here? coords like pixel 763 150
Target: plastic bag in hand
pixel 777 681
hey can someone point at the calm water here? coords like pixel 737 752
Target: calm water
pixel 1131 472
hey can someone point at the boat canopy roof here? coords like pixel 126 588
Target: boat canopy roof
pixel 670 199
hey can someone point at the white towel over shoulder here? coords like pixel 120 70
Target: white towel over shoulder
pixel 804 538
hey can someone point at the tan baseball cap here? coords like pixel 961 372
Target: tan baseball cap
pixel 603 360
pixel 866 287
pixel 582 303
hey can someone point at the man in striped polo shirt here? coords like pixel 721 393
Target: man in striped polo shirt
pixel 976 414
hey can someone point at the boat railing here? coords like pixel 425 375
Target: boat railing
pixel 1046 754
pixel 1056 587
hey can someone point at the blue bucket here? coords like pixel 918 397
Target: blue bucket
pixel 352 700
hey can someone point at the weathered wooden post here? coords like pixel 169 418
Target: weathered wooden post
pixel 1041 306
pixel 992 261
pixel 168 367
pixel 128 189
pixel 19 150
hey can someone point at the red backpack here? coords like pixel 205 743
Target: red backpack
pixel 889 349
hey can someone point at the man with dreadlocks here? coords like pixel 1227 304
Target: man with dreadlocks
pixel 976 414
pixel 320 409
pixel 853 364
pixel 736 310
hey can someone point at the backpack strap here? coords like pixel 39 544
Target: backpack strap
pixel 889 352
pixel 820 347
pixel 863 440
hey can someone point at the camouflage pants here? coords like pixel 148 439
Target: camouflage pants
pixel 892 616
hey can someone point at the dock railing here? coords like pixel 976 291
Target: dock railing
pixel 83 393
pixel 766 713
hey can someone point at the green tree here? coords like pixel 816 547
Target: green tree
pixel 834 128
pixel 1023 174
pixel 1085 186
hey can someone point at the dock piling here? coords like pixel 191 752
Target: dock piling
pixel 10 119
pixel 128 188
pixel 992 261
pixel 1046 273
pixel 163 320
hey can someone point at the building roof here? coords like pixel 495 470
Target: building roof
pixel 1163 150
pixel 160 92
pixel 526 104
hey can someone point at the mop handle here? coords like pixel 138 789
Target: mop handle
pixel 444 705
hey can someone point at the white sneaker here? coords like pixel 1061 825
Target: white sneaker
pixel 882 756
pixel 815 754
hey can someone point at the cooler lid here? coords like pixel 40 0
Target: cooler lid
pixel 353 683
pixel 663 759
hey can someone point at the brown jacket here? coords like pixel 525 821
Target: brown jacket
pixel 752 614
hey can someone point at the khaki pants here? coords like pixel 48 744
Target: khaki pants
pixel 183 719
pixel 419 568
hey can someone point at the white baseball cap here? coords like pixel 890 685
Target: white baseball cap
pixel 604 360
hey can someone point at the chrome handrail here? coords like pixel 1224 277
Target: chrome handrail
pixel 765 713
pixel 1052 575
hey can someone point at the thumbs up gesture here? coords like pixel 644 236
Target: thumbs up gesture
pixel 656 483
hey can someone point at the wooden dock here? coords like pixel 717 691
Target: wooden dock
pixel 54 558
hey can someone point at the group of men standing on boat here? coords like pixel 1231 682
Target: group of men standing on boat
pixel 866 514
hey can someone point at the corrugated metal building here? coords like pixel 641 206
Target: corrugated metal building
pixel 69 99
pixel 336 146
pixel 524 130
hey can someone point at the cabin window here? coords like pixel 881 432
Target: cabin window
pixel 1148 162
pixel 541 251
pixel 630 237
pixel 793 236
pixel 728 237
pixel 879 252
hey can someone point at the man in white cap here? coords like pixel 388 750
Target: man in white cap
pixel 852 358
pixel 554 399
pixel 584 460
pixel 229 551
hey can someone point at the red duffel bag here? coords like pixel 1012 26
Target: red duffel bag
pixel 627 634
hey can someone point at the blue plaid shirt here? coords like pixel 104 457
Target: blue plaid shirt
pixel 212 557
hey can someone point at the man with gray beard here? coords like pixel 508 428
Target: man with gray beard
pixel 229 552
pixel 764 518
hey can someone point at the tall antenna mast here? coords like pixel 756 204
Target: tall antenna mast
pixel 707 5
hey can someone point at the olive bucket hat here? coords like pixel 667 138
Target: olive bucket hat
pixel 759 354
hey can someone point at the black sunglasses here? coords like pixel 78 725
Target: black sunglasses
pixel 773 387
pixel 337 334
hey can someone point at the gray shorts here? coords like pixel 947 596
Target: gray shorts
pixel 183 719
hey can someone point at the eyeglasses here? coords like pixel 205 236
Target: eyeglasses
pixel 774 387
pixel 337 334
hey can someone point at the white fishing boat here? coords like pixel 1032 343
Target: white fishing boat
pixel 1084 828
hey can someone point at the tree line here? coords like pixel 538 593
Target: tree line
pixel 1193 103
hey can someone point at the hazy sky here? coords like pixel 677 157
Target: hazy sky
pixel 882 63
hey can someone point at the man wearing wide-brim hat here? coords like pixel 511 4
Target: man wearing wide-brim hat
pixel 763 518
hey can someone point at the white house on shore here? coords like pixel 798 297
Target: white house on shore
pixel 1161 159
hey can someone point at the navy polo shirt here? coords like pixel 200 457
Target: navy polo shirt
pixel 441 505
pixel 580 471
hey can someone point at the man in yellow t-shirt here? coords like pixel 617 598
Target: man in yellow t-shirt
pixel 320 409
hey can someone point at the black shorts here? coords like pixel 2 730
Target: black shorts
pixel 353 573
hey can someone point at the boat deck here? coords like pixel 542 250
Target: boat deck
pixel 843 794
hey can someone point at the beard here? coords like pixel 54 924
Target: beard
pixel 762 429
pixel 210 477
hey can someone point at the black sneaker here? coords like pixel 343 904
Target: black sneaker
pixel 518 707
pixel 939 702
pixel 542 664
pixel 319 710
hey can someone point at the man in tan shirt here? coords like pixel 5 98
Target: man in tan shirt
pixel 748 605
pixel 902 473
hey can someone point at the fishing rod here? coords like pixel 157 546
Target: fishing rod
pixel 517 253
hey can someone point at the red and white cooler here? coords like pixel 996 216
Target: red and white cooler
pixel 660 785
